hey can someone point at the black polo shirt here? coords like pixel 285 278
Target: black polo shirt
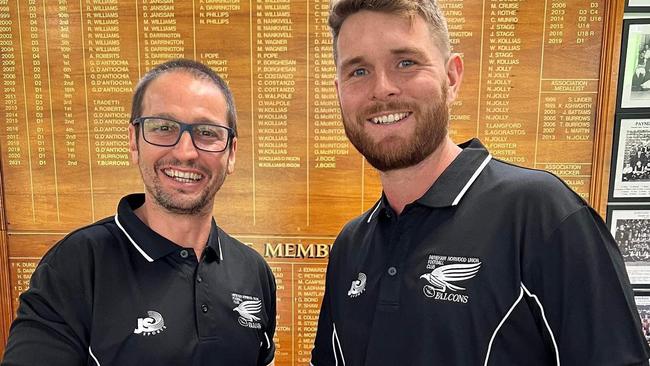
pixel 493 265
pixel 117 293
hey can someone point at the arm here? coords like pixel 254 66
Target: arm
pixel 579 277
pixel 267 349
pixel 322 354
pixel 47 330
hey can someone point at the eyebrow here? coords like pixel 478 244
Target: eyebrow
pixel 199 120
pixel 396 52
pixel 353 61
pixel 163 115
pixel 408 51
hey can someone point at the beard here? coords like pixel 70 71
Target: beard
pixel 174 201
pixel 395 152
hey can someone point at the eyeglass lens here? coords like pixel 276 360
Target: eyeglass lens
pixel 164 132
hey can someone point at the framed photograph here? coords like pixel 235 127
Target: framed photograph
pixel 637 6
pixel 634 71
pixel 642 301
pixel 630 226
pixel 630 173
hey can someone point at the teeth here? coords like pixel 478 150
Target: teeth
pixel 389 118
pixel 185 177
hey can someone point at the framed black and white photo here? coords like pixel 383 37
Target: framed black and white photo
pixel 630 173
pixel 630 226
pixel 642 300
pixel 632 6
pixel 634 70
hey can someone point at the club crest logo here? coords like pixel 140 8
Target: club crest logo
pixel 247 306
pixel 151 325
pixel 358 285
pixel 446 276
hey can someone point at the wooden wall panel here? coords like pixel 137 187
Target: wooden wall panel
pixel 538 91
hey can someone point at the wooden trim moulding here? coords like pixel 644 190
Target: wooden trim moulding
pixel 606 107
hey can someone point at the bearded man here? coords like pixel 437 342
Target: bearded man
pixel 465 259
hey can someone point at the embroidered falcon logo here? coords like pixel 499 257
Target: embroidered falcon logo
pixel 440 278
pixel 247 308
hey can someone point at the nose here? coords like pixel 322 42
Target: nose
pixel 385 86
pixel 185 149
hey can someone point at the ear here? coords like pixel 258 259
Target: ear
pixel 230 168
pixel 336 87
pixel 455 70
pixel 133 144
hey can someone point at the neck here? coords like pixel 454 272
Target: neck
pixel 403 186
pixel 188 231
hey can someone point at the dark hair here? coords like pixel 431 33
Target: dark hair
pixel 429 10
pixel 194 68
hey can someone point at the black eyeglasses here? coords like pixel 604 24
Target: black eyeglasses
pixel 167 132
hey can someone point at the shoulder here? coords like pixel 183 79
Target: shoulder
pixel 82 243
pixel 526 187
pixel 70 266
pixel 529 202
pixel 519 177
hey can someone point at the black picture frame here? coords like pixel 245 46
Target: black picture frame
pixel 642 302
pixel 630 227
pixel 633 94
pixel 637 6
pixel 629 177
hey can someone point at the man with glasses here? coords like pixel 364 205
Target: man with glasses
pixel 159 283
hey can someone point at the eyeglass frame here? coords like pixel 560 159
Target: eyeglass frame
pixel 184 127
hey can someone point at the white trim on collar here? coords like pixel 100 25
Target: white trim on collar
pixel 373 211
pixel 219 242
pixel 472 179
pixel 144 254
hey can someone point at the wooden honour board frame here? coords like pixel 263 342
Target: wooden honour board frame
pixel 297 237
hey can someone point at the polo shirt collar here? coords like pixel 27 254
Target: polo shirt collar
pixel 213 249
pixel 453 183
pixel 151 245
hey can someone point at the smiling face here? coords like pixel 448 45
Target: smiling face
pixel 181 179
pixel 394 88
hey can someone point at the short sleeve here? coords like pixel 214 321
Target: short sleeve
pixel 579 280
